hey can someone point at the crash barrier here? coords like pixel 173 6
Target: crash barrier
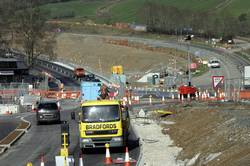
pixel 63 95
pixel 33 95
pixel 57 94
pixel 244 94
pixel 62 67
pixel 8 109
pixel 67 69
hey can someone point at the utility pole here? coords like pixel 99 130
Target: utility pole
pixel 187 39
pixel 189 70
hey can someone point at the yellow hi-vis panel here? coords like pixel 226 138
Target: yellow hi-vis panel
pixel 117 69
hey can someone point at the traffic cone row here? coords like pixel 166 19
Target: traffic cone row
pixel 126 161
pixel 108 160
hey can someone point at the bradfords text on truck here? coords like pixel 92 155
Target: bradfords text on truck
pixel 101 126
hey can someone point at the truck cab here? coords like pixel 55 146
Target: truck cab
pixel 101 122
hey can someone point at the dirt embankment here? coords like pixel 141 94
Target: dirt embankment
pixel 100 55
pixel 217 134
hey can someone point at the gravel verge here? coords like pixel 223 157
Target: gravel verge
pixel 157 148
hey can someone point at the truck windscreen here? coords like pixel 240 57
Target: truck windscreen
pixel 102 113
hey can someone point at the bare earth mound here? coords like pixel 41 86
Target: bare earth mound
pixel 217 134
pixel 99 55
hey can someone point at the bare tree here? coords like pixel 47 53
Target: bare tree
pixel 6 9
pixel 30 26
pixel 167 19
pixel 47 46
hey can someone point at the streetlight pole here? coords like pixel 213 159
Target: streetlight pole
pixel 188 38
pixel 189 65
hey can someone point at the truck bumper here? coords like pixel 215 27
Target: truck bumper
pixel 100 142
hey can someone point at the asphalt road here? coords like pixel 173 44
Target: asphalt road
pixel 7 124
pixel 45 139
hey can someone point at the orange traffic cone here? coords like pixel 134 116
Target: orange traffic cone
pixel 127 159
pixel 42 161
pixel 108 159
pixel 81 160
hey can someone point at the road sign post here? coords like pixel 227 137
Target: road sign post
pixel 217 82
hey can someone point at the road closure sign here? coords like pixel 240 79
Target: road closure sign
pixel 217 80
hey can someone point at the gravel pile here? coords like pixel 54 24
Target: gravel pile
pixel 157 148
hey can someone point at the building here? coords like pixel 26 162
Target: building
pixel 12 70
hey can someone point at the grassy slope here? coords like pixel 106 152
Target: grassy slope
pixel 126 10
pixel 239 6
pixel 80 9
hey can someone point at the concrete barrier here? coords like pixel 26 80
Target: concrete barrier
pixel 9 108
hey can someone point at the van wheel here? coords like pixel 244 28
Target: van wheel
pixel 38 123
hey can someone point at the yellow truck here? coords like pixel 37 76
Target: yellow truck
pixel 101 122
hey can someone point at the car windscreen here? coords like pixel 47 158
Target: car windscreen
pixel 215 62
pixel 102 113
pixel 48 106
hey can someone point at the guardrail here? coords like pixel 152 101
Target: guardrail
pixel 66 69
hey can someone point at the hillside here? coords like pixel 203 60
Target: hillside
pixel 128 10
pixel 99 54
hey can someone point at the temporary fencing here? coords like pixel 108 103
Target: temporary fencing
pixel 26 96
pixel 11 92
pixel 61 95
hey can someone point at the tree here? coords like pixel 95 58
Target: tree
pixel 47 45
pixel 6 10
pixel 30 26
pixel 171 20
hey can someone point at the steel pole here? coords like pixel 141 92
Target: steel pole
pixel 189 70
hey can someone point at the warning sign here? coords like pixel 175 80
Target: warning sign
pixel 217 80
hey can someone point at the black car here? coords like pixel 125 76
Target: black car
pixel 48 111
